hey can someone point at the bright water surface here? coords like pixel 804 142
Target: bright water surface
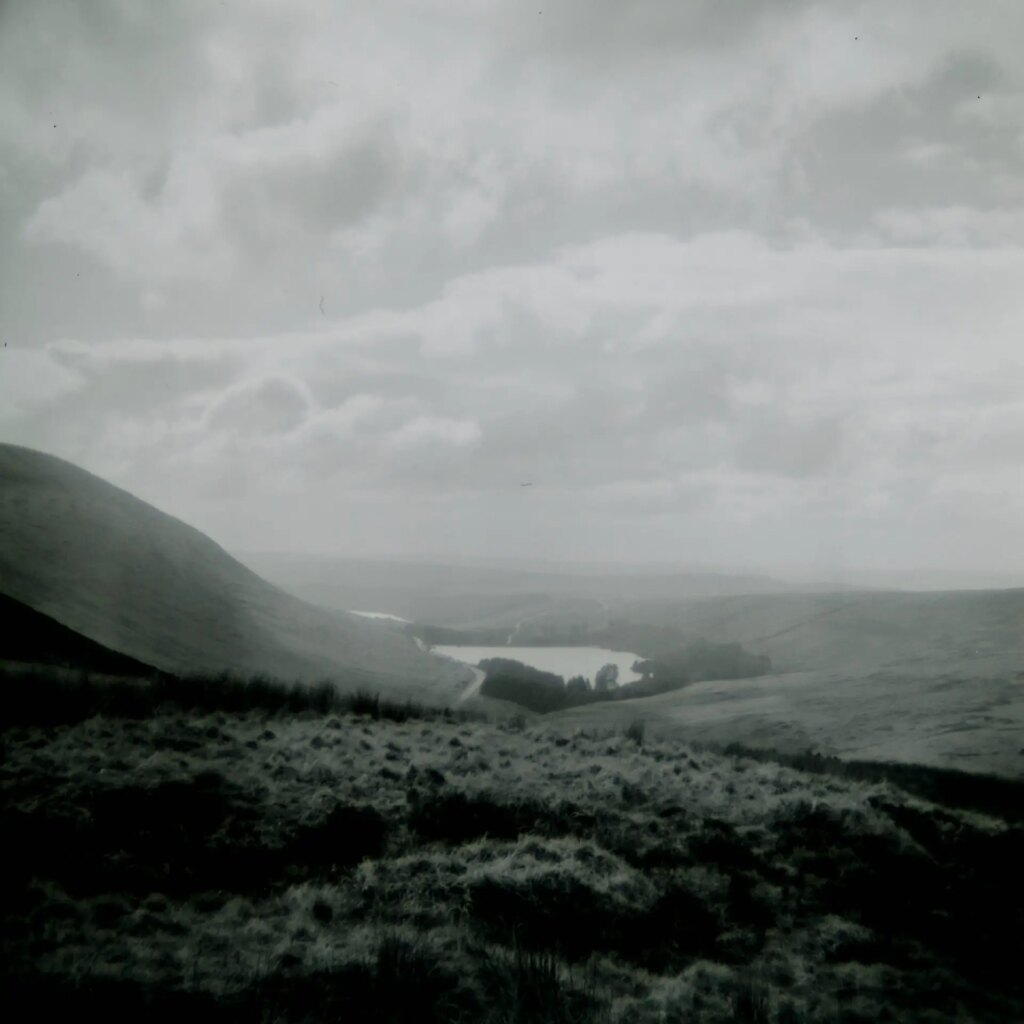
pixel 563 661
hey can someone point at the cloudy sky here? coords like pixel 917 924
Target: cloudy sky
pixel 727 281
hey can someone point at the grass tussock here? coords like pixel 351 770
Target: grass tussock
pixel 240 853
pixel 535 987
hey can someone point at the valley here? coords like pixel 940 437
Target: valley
pixel 226 802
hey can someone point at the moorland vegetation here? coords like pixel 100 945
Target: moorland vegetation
pixel 216 849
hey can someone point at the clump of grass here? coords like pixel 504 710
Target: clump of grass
pixel 751 1002
pixel 401 981
pixel 528 988
pixel 344 836
pixel 573 898
pixel 454 817
pixel 165 837
pixel 635 732
pixel 406 982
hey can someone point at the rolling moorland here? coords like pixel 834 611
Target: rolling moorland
pixel 931 677
pixel 223 853
pixel 188 841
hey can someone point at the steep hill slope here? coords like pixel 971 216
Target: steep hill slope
pixel 138 581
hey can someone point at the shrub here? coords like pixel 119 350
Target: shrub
pixel 399 982
pixel 511 680
pixel 452 817
pixel 751 1004
pixel 343 837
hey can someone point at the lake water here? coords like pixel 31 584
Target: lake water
pixel 378 615
pixel 563 661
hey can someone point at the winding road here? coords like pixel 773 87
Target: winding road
pixel 474 687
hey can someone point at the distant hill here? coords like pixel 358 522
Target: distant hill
pixel 463 594
pixel 973 630
pixel 33 638
pixel 930 678
pixel 138 581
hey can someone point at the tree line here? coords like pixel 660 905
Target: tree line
pixel 543 692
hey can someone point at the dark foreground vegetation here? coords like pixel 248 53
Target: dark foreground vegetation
pixel 243 852
pixel 511 680
pixel 27 635
pixel 37 695
pixel 973 791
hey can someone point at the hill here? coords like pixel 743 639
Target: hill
pixel 140 582
pixel 971 631
pixel 933 678
pixel 311 866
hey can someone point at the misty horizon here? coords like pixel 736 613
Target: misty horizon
pixel 892 577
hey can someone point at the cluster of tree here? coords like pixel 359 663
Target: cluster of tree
pixel 529 687
pixel 697 661
pixel 506 679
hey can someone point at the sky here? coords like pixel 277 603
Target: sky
pixel 724 282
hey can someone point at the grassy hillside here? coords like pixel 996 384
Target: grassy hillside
pixel 963 630
pixel 933 678
pixel 322 865
pixel 133 579
pixel 954 720
pixel 930 677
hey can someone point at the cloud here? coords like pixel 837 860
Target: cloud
pixel 427 430
pixel 177 235
pixel 776 443
pixel 631 360
pixel 685 266
pixel 31 380
pixel 952 226
pixel 283 150
pixel 274 405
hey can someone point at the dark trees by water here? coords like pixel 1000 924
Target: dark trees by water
pixel 507 679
